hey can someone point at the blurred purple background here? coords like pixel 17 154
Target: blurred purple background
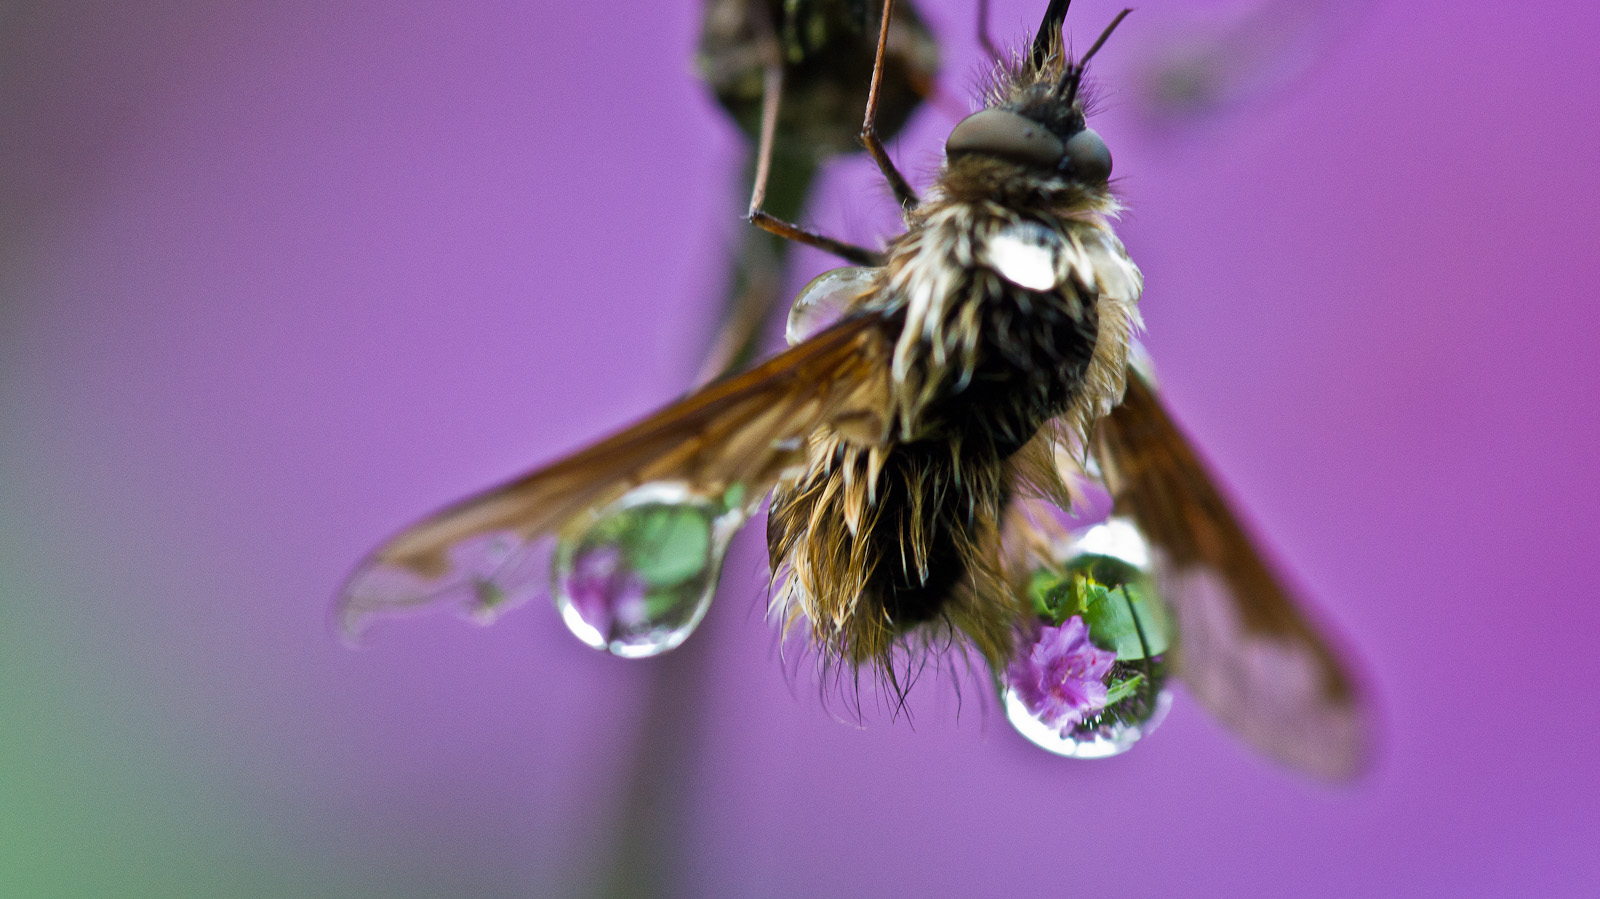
pixel 276 279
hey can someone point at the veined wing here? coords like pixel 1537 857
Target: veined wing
pixel 1251 656
pixel 733 438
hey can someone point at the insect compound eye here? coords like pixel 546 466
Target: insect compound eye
pixel 1006 135
pixel 1087 157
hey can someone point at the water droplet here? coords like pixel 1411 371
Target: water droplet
pixel 1089 679
pixel 1097 737
pixel 825 300
pixel 637 578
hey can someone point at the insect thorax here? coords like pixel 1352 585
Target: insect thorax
pixel 1010 319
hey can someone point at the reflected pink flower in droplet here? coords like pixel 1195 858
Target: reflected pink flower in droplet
pixel 603 590
pixel 1060 676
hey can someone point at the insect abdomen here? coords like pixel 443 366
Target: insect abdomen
pixel 930 502
pixel 872 554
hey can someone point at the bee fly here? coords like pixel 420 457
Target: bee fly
pixel 940 404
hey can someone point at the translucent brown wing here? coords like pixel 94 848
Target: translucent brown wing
pixel 1247 652
pixel 491 550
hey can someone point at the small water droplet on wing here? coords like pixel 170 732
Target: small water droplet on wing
pixel 637 577
pixel 825 300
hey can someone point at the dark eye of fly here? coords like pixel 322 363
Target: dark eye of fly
pixel 1087 157
pixel 1017 138
pixel 1006 135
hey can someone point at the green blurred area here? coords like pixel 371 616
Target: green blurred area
pixel 105 792
pixel 94 800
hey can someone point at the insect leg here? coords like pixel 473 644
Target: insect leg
pixel 771 99
pixel 869 126
pixel 847 251
pixel 1073 77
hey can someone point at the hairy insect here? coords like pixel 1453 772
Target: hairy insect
pixel 942 402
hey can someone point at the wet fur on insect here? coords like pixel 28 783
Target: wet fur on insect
pixel 848 691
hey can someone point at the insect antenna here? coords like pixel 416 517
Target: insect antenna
pixel 1074 74
pixel 985 40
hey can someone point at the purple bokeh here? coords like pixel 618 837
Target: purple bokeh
pixel 277 279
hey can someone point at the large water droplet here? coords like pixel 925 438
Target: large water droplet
pixel 1089 679
pixel 638 577
pixel 825 300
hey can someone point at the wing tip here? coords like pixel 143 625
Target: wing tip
pixel 1334 743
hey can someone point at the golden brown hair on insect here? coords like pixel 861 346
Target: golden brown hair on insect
pixel 943 407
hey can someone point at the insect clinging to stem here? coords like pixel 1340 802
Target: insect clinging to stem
pixel 940 406
pixel 817 56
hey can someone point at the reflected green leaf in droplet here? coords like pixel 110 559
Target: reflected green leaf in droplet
pixel 1111 616
pixel 669 546
pixel 1122 689
pixel 665 545
pixel 733 498
pixel 1115 600
pixel 1045 592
